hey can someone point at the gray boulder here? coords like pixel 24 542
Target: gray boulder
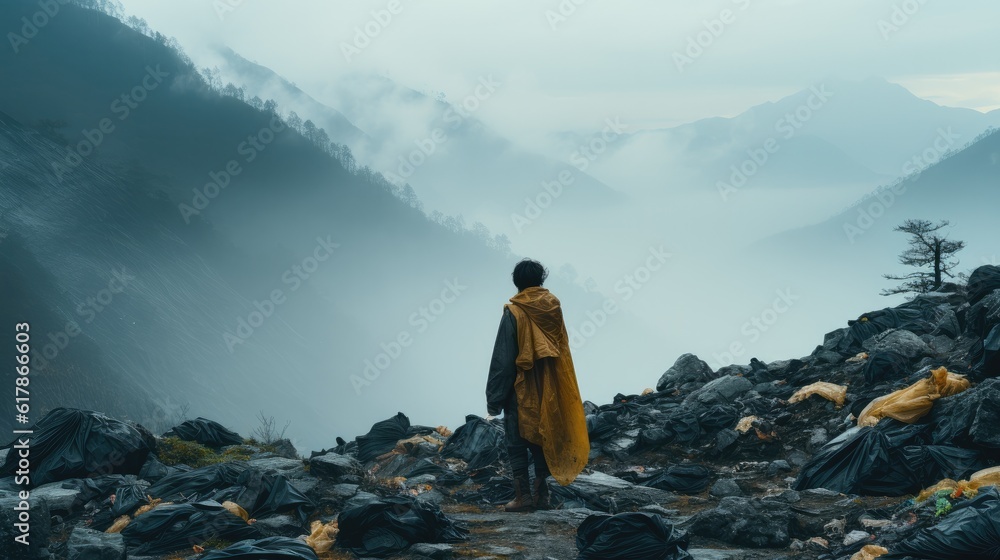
pixel 899 341
pixel 87 544
pixel 429 550
pixel 290 468
pixel 334 465
pixel 40 528
pixel 687 369
pixel 285 448
pixel 280 526
pixel 60 500
pixel 720 391
pixel 740 521
pixel 725 487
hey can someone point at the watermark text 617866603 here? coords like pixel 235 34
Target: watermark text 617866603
pixel 22 443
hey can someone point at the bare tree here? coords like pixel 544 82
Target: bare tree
pixel 929 251
pixel 268 433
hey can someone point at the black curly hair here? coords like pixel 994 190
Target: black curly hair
pixel 528 274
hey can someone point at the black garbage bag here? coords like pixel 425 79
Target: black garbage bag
pixel 477 442
pixel 969 419
pixel 71 443
pixel 653 437
pixel 392 524
pixel 916 316
pixel 168 528
pixel 382 437
pixel 719 417
pixel 932 463
pixel 153 470
pixel 199 484
pixel 844 462
pixel 683 479
pixel 268 493
pixel 982 282
pixel 573 496
pixel 885 366
pixel 426 466
pixel 495 491
pixel 630 536
pixel 889 459
pixel 982 319
pixel 970 532
pixel 602 426
pixel 625 407
pixel 986 357
pixel 129 497
pixel 684 423
pixel 912 468
pixel 259 493
pixel 451 478
pixel 271 548
pixel 205 432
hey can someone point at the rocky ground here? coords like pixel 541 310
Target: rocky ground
pixel 749 462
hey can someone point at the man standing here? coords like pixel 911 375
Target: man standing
pixel 533 382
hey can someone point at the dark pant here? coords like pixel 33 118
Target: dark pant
pixel 518 455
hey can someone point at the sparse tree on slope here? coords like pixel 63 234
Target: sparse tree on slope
pixel 931 252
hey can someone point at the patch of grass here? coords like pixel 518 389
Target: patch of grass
pixel 175 451
pixel 336 554
pixel 216 544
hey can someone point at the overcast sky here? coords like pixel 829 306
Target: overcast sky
pixel 565 72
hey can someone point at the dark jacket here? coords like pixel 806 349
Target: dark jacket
pixel 500 395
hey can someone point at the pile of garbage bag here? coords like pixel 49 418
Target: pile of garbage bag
pixel 70 443
pixel 478 442
pixel 393 524
pixel 257 492
pixel 629 536
pixel 271 548
pixel 168 528
pixel 205 432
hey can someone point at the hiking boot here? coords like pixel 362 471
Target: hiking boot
pixel 540 493
pixel 522 497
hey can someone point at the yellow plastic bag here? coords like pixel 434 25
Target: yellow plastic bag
pixel 946 484
pixel 869 552
pixel 913 403
pixel 235 509
pixel 987 477
pixel 119 524
pixel 322 536
pixel 829 391
pixel 746 424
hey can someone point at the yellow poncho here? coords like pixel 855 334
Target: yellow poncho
pixel 550 411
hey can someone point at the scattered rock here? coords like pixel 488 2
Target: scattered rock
pixel 284 448
pixel 746 522
pixel 87 544
pixel 855 537
pixel 720 391
pixel 360 499
pixel 725 487
pixel 280 526
pixel 60 500
pixel 335 466
pixel 777 467
pixel 687 369
pixel 290 468
pixel 900 341
pixel 433 551
pixel 40 529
